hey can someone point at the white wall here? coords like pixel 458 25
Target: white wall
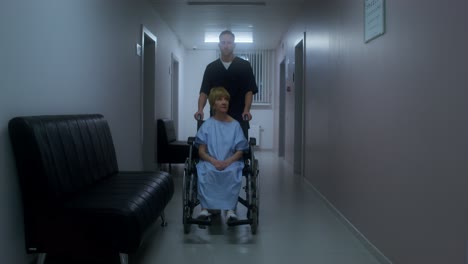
pixel 194 67
pixel 67 57
pixel 264 118
pixel 386 131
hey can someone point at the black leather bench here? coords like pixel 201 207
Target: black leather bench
pixel 169 149
pixel 75 198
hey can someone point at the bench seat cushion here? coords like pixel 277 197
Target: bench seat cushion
pixel 113 213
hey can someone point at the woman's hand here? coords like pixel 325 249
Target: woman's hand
pixel 220 164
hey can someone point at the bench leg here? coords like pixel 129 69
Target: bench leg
pixel 163 218
pixel 41 258
pixel 123 258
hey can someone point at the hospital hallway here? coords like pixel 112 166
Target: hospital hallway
pixel 295 226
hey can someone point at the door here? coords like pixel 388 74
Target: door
pixel 298 79
pixel 148 124
pixel 282 109
pixel 175 92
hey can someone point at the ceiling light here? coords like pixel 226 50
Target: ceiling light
pixel 211 37
pixel 244 37
pixel 241 37
pixel 232 3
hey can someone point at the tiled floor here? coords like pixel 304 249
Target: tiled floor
pixel 295 227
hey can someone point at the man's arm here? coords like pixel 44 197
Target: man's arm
pixel 204 91
pixel 201 104
pixel 248 104
pixel 251 90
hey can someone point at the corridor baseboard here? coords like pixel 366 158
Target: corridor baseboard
pixel 364 241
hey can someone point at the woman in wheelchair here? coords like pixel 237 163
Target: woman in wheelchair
pixel 221 144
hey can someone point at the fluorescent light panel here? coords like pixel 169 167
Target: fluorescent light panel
pixel 231 3
pixel 241 37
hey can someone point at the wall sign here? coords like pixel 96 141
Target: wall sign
pixel 374 19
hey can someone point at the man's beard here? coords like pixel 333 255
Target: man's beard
pixel 226 52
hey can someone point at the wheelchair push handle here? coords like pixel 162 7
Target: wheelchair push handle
pixel 199 120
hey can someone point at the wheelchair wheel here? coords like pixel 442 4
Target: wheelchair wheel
pixel 186 204
pixel 255 197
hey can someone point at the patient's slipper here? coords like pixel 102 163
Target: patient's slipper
pixel 231 215
pixel 204 214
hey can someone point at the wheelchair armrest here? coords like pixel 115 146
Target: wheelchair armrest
pixel 190 140
pixel 253 141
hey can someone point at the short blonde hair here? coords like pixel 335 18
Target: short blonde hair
pixel 216 93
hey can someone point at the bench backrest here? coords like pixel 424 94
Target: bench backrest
pixel 166 131
pixel 57 156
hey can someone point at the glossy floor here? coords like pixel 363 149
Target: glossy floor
pixel 295 227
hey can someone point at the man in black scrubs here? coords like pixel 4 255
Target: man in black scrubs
pixel 236 76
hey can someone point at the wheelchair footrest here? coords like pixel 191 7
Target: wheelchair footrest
pixel 199 221
pixel 239 222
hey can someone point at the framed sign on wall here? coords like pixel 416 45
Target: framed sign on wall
pixel 374 19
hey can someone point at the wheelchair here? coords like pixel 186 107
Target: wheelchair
pixel 190 189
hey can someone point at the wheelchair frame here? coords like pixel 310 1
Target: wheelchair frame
pixel 251 188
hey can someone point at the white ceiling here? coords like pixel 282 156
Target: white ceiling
pixel 267 22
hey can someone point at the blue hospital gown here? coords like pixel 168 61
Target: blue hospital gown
pixel 220 189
